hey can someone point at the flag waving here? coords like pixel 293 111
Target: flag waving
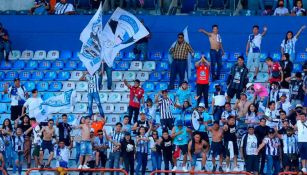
pixel 91 47
pixel 122 30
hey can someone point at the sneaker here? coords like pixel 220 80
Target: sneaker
pixel 304 170
pixel 236 169
pixel 174 168
pixel 227 169
pixel 203 169
pixel 214 169
pixel 221 169
pixel 185 169
pixel 254 78
pixel 85 167
pixel 80 167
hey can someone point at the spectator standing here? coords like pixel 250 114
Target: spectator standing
pixel 143 122
pixel 97 124
pixel 136 98
pixel 217 146
pixel 41 7
pixel 5 44
pixel 128 151
pixel 101 146
pixel 62 154
pixel 33 105
pixel 275 71
pixel 86 150
pixel 141 46
pixel 18 150
pixel 218 102
pixel 183 93
pixel 150 109
pixel 251 118
pixel 126 125
pixel 198 148
pixel 167 150
pixel 237 79
pixel 35 128
pixel 271 113
pixel 48 133
pixel 164 104
pixel 18 95
pixel 284 104
pixel 179 64
pixel 298 10
pixel 305 85
pixel 287 67
pixel 64 130
pixel 202 80
pixel 142 149
pixel 216 51
pixel 64 8
pixel 296 90
pixel 156 152
pixel 227 112
pixel 281 10
pixel 302 139
pixel 242 106
pixel 253 50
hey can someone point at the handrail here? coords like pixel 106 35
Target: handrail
pixel 288 172
pixel 198 172
pixel 76 169
pixel 3 171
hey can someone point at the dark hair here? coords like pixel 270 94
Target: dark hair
pixel 193 142
pixel 33 119
pixel 230 117
pixel 34 91
pixel 215 25
pixel 165 131
pixel 9 126
pixel 298 74
pixel 180 34
pixel 286 38
pixel 227 103
pixel 25 116
pixel 125 116
pixel 301 3
pixel 80 122
pixel 282 111
pixel 119 123
pixel 271 102
pixel 255 26
pixel 240 57
pixel 50 120
pixel 249 111
pixel 263 119
pixel 268 59
pixel 64 115
pixel 287 56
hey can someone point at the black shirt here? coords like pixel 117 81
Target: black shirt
pixel 167 146
pixel 64 131
pixel 25 128
pixel 124 144
pixel 297 92
pixel 230 134
pixel 261 132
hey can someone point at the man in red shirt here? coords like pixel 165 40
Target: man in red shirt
pixel 275 71
pixel 136 95
pixel 202 80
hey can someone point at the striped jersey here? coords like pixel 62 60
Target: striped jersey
pixel 272 146
pixel 289 144
pixel 165 108
pixel 142 146
pixel 116 137
pixel 93 82
pixel 62 8
pixel 18 143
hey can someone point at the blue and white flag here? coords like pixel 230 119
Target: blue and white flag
pixel 55 104
pixel 122 30
pixel 91 47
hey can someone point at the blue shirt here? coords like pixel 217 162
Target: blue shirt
pixel 183 95
pixel 183 138
pixel 206 117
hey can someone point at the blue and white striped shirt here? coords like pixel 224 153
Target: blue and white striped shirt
pixel 289 144
pixel 272 146
pixel 142 146
pixel 93 82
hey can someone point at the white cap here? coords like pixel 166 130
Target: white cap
pixel 249 85
pixel 201 105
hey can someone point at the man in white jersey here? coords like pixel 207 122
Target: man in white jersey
pixel 253 49
pixel 32 104
pixel 301 126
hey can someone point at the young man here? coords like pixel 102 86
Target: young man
pixel 180 135
pixel 101 145
pixel 62 154
pixel 202 80
pixel 217 146
pixel 18 150
pixel 93 91
pixel 216 50
pixel 271 113
pixel 275 71
pixel 301 126
pixel 37 141
pixel 136 98
pixel 183 93
pixel 218 102
pixel 297 92
pixel 128 152
pixel 86 144
pixel 64 130
pixel 142 149
pixel 284 104
pixel 253 50
pixel 164 104
pixel 228 111
pixel 167 150
pixel 198 148
pixel 143 122
pixel 48 133
pixel 237 79
pixel 242 105
pixel 5 44
pixel 32 104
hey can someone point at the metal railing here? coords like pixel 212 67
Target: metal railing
pixel 198 172
pixel 79 170
pixel 288 172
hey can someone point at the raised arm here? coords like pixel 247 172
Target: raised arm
pixel 204 32
pixel 126 83
pixel 247 47
pixel 265 29
pixel 83 78
pixel 300 31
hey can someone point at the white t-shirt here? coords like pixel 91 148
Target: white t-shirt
pixel 62 154
pixel 289 47
pixel 61 9
pixel 219 100
pixel 301 131
pixel 281 11
pixel 37 139
pixel 151 112
pixel 254 43
pixel 251 144
pixel 17 96
pixel 33 106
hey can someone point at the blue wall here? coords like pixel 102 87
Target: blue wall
pixel 62 32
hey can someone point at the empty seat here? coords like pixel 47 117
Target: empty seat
pixel 166 76
pixel 148 86
pixel 156 56
pixel 37 75
pixel 227 67
pixel 142 76
pixel 2 85
pixel 262 77
pixel 6 98
pixel 78 96
pixel 103 97
pixel 162 66
pixel 75 55
pixel 111 119
pixel 136 65
pixel 68 85
pixel 50 75
pixel 81 66
pixel 120 108
pixel 84 97
pixel 11 75
pixel 276 56
pixel 42 86
pixel 14 55
pixel 31 65
pixel 119 55
pixel 114 97
pixel 188 6
pixel 120 86
pixel 129 56
pixel 263 56
pixel 3 108
pixel 76 75
pixel 55 86
pixel 161 86
pixel 47 95
pixel 108 108
pixel 233 56
pixel 117 76
pixel 155 76
pixel 44 65
pixel 125 97
pixel 297 68
pixel 19 64
pixel 264 67
pixel 63 76
pixel 71 65
pixel 129 76
pixel 65 54
pixel 57 65
pixel 6 65
pixel 301 57
pixel 149 66
pixel 25 75
pixel 81 86
pixel 225 57
pixel 53 55
pixel 123 65
pixel 2 75
pixel 81 108
pixel 29 85
pixel 27 55
pixel 40 55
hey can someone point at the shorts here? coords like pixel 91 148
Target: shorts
pixel 47 145
pixel 290 160
pixel 167 123
pixel 235 148
pixel 252 163
pixel 217 148
pixel 16 111
pixel 36 150
pixel 194 158
pixel 85 148
pixel 232 92
pixel 18 156
pixel 253 60
pixel 183 148
pixel 302 147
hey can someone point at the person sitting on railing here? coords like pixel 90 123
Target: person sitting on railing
pixel 62 154
pixel 198 148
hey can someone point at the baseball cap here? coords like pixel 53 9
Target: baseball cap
pixel 271 131
pixel 283 95
pixel 217 84
pixel 249 85
pixel 201 105
pixel 298 106
pixel 179 123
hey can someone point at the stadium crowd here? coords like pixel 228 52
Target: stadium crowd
pixel 266 124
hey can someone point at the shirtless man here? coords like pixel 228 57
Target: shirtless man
pixel 48 134
pixel 198 148
pixel 217 145
pixel 216 50
pixel 86 145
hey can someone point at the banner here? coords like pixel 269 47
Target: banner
pixel 122 30
pixel 56 104
pixel 91 47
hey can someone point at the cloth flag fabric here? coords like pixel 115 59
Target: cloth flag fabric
pixel 122 30
pixel 91 47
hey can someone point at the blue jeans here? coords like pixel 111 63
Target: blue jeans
pixel 141 159
pixel 114 161
pixel 178 67
pixel 108 71
pixel 217 113
pixel 216 58
pixel 91 97
pixel 156 160
pixel 5 46
pixel 20 158
pixel 78 148
pixel 272 162
pixel 9 155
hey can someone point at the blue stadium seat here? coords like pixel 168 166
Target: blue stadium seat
pixel 211 87
pixel 47 95
pixel 148 86
pixel 57 65
pixel 50 75
pixel 217 4
pixel 11 75
pixel 25 75
pixel 31 65
pixel 6 98
pixel 44 65
pixel 2 75
pixel 156 56
pixel 301 57
pixel 81 67
pixel 197 55
pixel 155 76
pixel 19 64
pixel 297 68
pixel 123 65
pixel 188 6
pixel 65 54
pixel 42 86
pixel 192 78
pixel 63 76
pixel 2 84
pixel 55 86
pixel 233 56
pixel 276 56
pixel 29 85
pixel 263 56
pixel 226 67
pixel 129 56
pixel 120 55
pixel 3 108
pixel 75 55
pixel 165 76
pixel 70 65
pixel 37 75
pixel 6 65
pixel 149 4
pixel 161 86
pixel 162 66
pixel 203 4
pixel 225 57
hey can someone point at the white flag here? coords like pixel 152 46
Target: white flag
pixel 56 104
pixel 91 47
pixel 122 30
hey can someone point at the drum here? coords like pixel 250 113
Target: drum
pixel 190 119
